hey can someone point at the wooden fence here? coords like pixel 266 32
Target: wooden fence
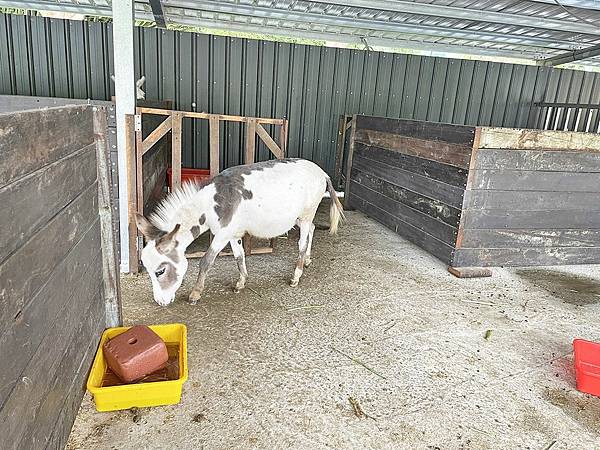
pixel 480 197
pixel 58 267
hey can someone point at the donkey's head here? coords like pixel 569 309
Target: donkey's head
pixel 164 259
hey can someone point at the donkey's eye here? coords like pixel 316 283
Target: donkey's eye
pixel 159 272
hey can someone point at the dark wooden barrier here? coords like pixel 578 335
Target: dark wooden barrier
pixel 58 267
pixel 533 199
pixel 411 176
pixel 15 103
pixel 480 196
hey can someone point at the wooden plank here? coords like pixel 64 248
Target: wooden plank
pixel 509 138
pixel 537 256
pixel 470 272
pixel 110 266
pixel 176 151
pixel 201 115
pixel 59 432
pixel 59 182
pixel 59 356
pixel 23 149
pixel 42 253
pixel 474 152
pixel 132 208
pixel 139 174
pixel 283 136
pixel 250 142
pixel 339 153
pixel 454 154
pixel 423 222
pixel 454 134
pixel 526 180
pixel 514 238
pixel 71 278
pixel 415 235
pixel 539 159
pixel 214 146
pixel 349 161
pixel 530 200
pixel 269 142
pixel 156 134
pixel 255 251
pixel 426 205
pixel 445 193
pixel 247 244
pixel 445 173
pixel 503 218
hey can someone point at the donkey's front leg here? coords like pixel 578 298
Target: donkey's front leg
pixel 238 253
pixel 206 263
pixel 302 247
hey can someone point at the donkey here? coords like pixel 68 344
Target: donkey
pixel 264 200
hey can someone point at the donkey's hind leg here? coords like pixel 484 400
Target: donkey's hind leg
pixel 238 253
pixel 305 227
pixel 311 232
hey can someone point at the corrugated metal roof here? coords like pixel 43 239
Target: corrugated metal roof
pixel 530 30
pixel 309 85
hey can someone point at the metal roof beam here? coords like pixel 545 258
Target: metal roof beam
pixel 211 6
pixel 569 57
pixel 452 12
pixel 431 49
pixel 582 4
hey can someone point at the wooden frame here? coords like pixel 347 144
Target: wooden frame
pixel 110 267
pixel 137 146
pixel 345 123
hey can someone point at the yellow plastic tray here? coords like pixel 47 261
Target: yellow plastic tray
pixel 113 398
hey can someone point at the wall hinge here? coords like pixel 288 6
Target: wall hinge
pixel 137 122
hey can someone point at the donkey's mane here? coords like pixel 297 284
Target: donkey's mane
pixel 163 214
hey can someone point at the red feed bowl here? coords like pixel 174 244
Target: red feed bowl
pixel 197 175
pixel 587 366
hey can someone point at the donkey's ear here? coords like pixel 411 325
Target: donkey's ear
pixel 168 242
pixel 171 234
pixel 149 231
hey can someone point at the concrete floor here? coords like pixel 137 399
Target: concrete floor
pixel 433 362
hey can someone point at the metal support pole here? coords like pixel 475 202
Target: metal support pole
pixel 123 19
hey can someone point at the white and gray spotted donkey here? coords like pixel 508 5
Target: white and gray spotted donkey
pixel 264 200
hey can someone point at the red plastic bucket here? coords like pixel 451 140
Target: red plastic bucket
pixel 587 366
pixel 198 175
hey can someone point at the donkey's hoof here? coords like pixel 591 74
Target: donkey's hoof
pixel 194 297
pixel 307 262
pixel 294 283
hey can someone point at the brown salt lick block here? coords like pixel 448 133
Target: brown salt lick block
pixel 135 353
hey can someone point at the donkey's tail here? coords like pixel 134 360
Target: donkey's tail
pixel 336 211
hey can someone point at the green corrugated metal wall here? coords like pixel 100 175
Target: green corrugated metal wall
pixel 311 86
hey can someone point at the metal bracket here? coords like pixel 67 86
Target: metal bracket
pixel 137 122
